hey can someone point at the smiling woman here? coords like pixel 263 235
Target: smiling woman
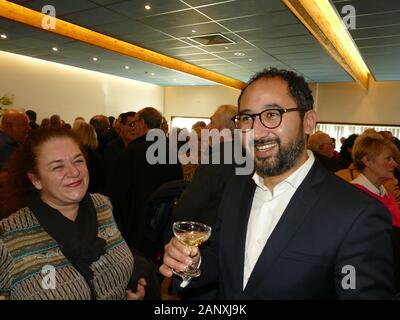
pixel 59 237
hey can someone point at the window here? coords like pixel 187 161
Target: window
pixel 186 122
pixel 339 130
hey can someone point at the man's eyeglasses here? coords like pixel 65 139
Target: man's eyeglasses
pixel 270 118
pixel 332 144
pixel 131 124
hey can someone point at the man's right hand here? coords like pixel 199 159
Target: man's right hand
pixel 178 256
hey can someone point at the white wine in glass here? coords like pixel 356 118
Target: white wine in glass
pixel 193 234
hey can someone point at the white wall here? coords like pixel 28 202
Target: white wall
pixel 51 88
pixel 349 103
pixel 198 101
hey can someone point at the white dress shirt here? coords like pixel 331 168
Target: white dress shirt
pixel 266 210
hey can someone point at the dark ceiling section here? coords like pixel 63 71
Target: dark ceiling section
pixel 377 35
pixel 264 32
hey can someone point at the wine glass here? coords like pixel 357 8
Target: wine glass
pixel 193 234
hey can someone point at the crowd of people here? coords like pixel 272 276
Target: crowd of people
pixel 77 198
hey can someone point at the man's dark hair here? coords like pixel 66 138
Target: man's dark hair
pixel 98 122
pixel 151 117
pixel 124 116
pixel 298 87
pixel 31 115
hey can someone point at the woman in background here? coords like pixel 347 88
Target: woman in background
pixel 97 169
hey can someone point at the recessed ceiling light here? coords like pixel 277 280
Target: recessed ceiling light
pixel 152 74
pixel 126 67
pixel 250 60
pixel 226 47
pixel 95 59
pixel 55 49
pixel 194 31
pixel 3 36
pixel 147 7
pixel 239 54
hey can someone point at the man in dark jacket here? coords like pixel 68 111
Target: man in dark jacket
pixel 292 230
pixel 135 179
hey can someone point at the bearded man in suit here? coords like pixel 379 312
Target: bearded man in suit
pixel 291 230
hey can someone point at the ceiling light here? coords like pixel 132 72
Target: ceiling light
pixel 147 7
pixel 192 84
pixel 174 79
pixel 152 74
pixel 194 31
pixel 21 14
pixel 3 36
pixel 226 47
pixel 323 21
pixel 126 67
pixel 250 60
pixel 55 49
pixel 239 54
pixel 95 59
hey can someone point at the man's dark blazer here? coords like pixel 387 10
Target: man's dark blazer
pixel 200 200
pixel 133 182
pixel 327 225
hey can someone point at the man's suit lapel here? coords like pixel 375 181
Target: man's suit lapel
pixel 296 212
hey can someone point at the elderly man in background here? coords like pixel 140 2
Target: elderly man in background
pixel 324 149
pixel 14 130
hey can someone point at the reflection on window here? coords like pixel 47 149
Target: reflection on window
pixel 338 131
pixel 186 122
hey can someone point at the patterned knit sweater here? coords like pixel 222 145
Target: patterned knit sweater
pixel 32 266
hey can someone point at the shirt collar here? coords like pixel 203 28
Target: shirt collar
pixel 363 180
pixel 295 179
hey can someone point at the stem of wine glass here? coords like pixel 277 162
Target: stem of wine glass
pixel 185 281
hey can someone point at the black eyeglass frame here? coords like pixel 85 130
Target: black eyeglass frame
pixel 280 110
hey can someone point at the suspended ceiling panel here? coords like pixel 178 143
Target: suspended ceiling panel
pixel 264 33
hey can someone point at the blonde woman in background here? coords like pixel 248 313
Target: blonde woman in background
pixel 95 162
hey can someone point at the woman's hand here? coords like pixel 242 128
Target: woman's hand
pixel 140 291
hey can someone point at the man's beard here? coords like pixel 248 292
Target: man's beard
pixel 284 160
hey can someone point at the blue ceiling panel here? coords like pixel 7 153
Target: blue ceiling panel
pixel 265 33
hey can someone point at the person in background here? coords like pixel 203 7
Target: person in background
pixel 375 158
pixel 102 125
pixel 135 179
pixel 112 133
pixel 199 124
pixel 77 121
pixel 57 224
pixel 324 150
pixel 55 121
pixel 32 119
pixel 345 151
pixel 164 126
pixel 13 131
pixel 97 168
pixel 126 125
pixel 45 123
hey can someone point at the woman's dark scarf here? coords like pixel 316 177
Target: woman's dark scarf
pixel 78 239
